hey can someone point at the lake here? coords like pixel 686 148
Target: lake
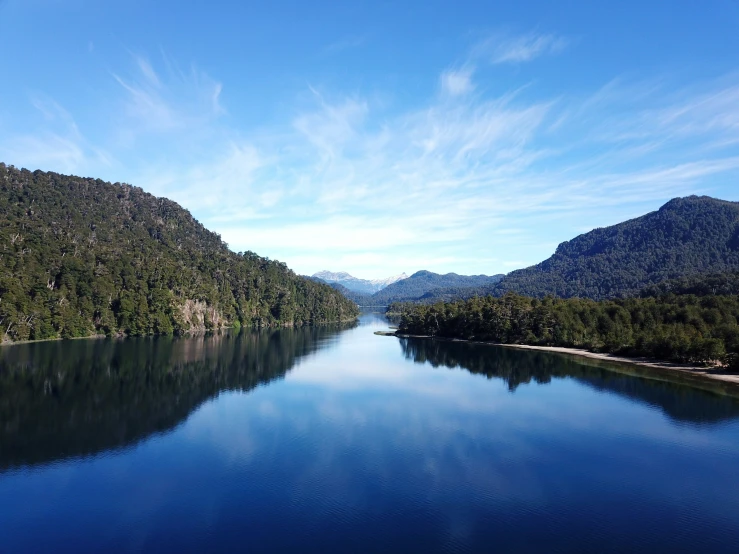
pixel 333 439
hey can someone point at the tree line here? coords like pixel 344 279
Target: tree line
pixel 681 328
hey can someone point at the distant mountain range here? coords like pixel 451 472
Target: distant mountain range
pixel 686 236
pixel 426 284
pixel 658 252
pixel 365 286
pixel 421 286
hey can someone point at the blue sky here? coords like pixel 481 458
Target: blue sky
pixel 381 137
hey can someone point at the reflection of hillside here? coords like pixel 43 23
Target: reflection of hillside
pixel 71 398
pixel 516 367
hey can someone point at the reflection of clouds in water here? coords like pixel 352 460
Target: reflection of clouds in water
pixel 343 443
pixel 415 432
pixel 360 439
pixel 362 416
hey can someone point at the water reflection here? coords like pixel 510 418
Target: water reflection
pixel 357 449
pixel 73 398
pixel 517 367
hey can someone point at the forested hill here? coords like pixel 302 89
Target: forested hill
pixel 712 284
pixel 684 237
pixel 681 328
pixel 81 256
pixel 424 282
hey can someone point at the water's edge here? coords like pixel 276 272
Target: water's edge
pixel 694 376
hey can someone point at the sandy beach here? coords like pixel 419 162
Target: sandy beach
pixel 709 372
pixel 684 370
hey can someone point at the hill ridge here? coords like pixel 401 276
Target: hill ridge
pixel 686 236
pixel 83 256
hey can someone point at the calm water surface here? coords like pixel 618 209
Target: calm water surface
pixel 337 440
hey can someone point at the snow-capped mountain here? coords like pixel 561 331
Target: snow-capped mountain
pixel 366 286
pixel 382 283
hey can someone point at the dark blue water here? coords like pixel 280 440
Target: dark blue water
pixel 337 440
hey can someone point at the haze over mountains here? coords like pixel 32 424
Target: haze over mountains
pixel 364 286
pixel 420 286
pixel 686 237
pixel 426 284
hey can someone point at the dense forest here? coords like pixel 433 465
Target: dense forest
pixel 681 328
pixel 450 294
pixel 712 284
pixel 81 256
pixel 684 237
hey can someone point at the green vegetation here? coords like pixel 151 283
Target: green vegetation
pixel 680 328
pixel 701 285
pixel 80 257
pixel 425 285
pixel 686 236
pixel 669 250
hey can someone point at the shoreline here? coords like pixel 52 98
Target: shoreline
pixel 693 373
pixel 706 372
pixel 190 333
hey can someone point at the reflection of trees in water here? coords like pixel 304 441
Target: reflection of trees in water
pixel 517 367
pixel 71 398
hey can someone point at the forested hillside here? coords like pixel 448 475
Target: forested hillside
pixel 453 294
pixel 682 328
pixel 426 282
pixel 712 284
pixel 686 236
pixel 81 256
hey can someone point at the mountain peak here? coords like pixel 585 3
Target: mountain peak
pixel 333 276
pixel 693 201
pixel 389 280
pixel 686 236
pixel 424 273
pixel 355 284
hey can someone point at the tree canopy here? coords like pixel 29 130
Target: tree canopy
pixel 680 328
pixel 686 236
pixel 81 256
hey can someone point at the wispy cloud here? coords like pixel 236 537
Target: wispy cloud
pixel 465 180
pixel 465 171
pixel 153 104
pixel 55 143
pixel 500 49
pixel 457 82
